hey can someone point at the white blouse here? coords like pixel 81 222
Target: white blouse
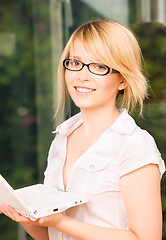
pixel 121 149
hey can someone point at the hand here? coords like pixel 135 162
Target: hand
pixel 12 213
pixel 52 221
pixel 48 221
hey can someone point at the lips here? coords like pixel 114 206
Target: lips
pixel 84 89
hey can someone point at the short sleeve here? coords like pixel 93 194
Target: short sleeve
pixel 139 151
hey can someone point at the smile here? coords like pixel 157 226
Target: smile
pixel 84 90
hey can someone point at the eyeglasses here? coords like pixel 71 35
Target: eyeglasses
pixel 95 68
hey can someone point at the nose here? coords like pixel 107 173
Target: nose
pixel 84 74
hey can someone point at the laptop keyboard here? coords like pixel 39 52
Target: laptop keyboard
pixel 44 199
pixel 38 199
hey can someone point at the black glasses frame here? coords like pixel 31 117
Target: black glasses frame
pixel 109 70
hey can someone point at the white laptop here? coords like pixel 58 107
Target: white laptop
pixel 38 200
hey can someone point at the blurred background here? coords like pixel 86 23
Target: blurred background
pixel 32 36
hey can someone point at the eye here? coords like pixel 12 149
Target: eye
pixel 99 67
pixel 74 63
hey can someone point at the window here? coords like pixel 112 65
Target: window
pixel 32 36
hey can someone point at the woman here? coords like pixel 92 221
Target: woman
pixel 101 152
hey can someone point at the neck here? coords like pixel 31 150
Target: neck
pixel 98 121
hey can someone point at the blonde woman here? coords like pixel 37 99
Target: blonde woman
pixel 101 152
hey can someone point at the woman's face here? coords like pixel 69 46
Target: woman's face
pixel 90 91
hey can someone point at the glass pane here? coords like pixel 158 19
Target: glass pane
pixel 26 89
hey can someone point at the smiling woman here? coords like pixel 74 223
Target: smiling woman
pixel 101 152
pixel 32 37
pixel 92 89
pixel 99 47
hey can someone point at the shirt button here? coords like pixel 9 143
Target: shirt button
pixel 91 166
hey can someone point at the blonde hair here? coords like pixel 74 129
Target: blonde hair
pixel 116 46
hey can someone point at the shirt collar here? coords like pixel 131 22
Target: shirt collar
pixel 70 124
pixel 124 124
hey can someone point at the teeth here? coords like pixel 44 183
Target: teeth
pixel 84 90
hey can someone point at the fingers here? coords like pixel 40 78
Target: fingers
pixel 1 209
pixel 52 220
pixel 42 220
pixel 12 213
pixel 48 221
pixel 5 210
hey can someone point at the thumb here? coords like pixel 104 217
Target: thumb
pixel 42 220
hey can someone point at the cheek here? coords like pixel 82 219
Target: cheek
pixel 69 82
pixel 110 84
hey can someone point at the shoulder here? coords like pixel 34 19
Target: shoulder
pixel 137 147
pixel 139 150
pixel 126 126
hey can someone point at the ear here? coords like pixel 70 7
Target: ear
pixel 122 84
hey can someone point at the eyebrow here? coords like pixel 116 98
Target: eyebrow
pixel 80 59
pixel 76 57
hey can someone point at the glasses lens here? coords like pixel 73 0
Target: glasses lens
pixel 99 69
pixel 72 64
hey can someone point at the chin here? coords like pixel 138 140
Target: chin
pixel 84 104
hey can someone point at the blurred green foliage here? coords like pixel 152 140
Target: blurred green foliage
pixel 17 90
pixel 18 149
pixel 19 118
pixel 152 40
